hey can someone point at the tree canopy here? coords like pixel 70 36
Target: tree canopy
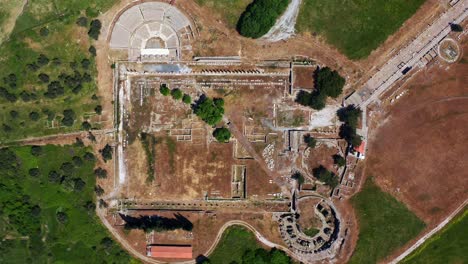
pixel 210 110
pixel 326 176
pixel 222 134
pixel 260 16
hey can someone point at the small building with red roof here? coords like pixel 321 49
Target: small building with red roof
pixel 169 251
pixel 361 150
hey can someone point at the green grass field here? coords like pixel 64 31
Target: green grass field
pixel 29 228
pixel 449 246
pixel 355 27
pixel 385 224
pixel 229 10
pixel 235 241
pixel 48 28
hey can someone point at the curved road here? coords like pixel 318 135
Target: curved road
pixel 124 243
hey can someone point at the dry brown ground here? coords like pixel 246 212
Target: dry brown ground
pixel 304 77
pixel 418 152
pixel 205 229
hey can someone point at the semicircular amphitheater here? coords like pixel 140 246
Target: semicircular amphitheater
pixel 152 31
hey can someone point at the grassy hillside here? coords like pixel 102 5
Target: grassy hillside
pixel 385 224
pixel 449 246
pixel 355 27
pixel 47 208
pixel 48 51
pixel 235 239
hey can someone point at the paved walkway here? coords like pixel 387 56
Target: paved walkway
pixel 407 58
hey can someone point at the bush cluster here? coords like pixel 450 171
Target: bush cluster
pixel 210 110
pixel 222 134
pixel 350 116
pixel 326 176
pixel 327 83
pixel 260 16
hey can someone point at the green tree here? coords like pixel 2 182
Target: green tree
pixel 339 160
pixel 95 29
pixel 260 16
pixel 349 115
pixel 62 217
pixel 34 116
pixel 176 94
pixel 98 109
pixel 310 141
pixel 106 153
pixel 86 125
pixel 326 176
pixel 329 82
pixel 209 110
pixel 298 177
pixel 164 90
pixel 187 99
pixel 68 117
pixel 222 134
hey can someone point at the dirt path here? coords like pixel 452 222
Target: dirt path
pixel 284 28
pixel 429 234
pixel 14 8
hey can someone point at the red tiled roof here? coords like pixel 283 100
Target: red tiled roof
pixel 361 148
pixel 174 252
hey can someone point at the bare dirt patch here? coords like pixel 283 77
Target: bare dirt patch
pixel 417 153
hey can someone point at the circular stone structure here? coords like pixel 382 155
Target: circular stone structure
pixel 152 31
pixel 449 50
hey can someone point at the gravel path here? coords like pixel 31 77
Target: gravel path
pixel 284 27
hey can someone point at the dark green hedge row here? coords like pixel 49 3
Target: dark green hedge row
pixel 260 16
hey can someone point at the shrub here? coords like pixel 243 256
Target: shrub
pixel 54 89
pixel 42 60
pixel 348 133
pixel 100 173
pixel 164 90
pixel 56 62
pixel 298 177
pixel 339 160
pixel 187 99
pixel 92 50
pixel 349 115
pixel 329 82
pixel 54 177
pixel 209 110
pixel 36 151
pixel 77 161
pixel 222 134
pixel 456 27
pixel 260 16
pixel 34 172
pixel 44 32
pixel 85 63
pixel 326 176
pixel 86 125
pixel 106 153
pixel 176 94
pixel 34 116
pixel 14 114
pixel 95 29
pixel 310 141
pixel 88 156
pixel 98 109
pixel 315 100
pixel 43 77
pixel 82 21
pixel 79 185
pixel 62 217
pixel 98 190
pixel 68 117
